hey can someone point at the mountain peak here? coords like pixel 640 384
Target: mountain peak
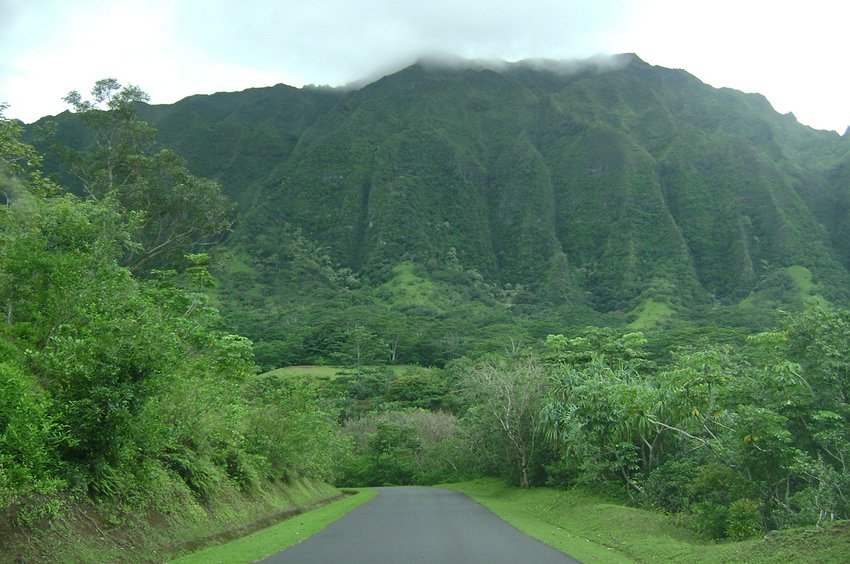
pixel 567 66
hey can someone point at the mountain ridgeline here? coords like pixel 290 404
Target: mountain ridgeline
pixel 602 184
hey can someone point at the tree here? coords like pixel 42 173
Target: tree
pixel 601 419
pixel 19 161
pixel 118 135
pixel 361 346
pixel 177 213
pixel 509 394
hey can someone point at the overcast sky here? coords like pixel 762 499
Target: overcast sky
pixel 794 52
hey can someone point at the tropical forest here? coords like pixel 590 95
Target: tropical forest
pixel 603 287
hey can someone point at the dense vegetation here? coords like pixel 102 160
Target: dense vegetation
pixel 581 271
pixel 448 210
pixel 117 388
pixel 737 440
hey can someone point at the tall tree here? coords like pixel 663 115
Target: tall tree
pixel 19 161
pixel 508 395
pixel 177 212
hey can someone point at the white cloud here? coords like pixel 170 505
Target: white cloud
pixel 792 52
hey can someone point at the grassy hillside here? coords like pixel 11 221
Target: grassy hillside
pixel 594 529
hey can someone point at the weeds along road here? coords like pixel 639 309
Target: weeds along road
pixel 412 524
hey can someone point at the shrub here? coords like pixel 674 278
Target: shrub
pixel 744 520
pixel 710 519
pixel 668 486
pixel 27 433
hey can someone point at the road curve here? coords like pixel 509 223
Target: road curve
pixel 413 524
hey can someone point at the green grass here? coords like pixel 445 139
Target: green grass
pixel 802 276
pixel 239 262
pixel 407 288
pixel 402 369
pixel 593 529
pixel 280 536
pixel 310 371
pixel 827 546
pixel 649 314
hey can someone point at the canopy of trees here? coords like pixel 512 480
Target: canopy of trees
pixel 119 388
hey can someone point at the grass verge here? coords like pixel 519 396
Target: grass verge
pixel 273 539
pixel 592 529
pixel 175 523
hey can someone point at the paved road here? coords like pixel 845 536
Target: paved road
pixel 409 524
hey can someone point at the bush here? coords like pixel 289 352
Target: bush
pixel 744 519
pixel 710 519
pixel 27 433
pixel 402 448
pixel 669 486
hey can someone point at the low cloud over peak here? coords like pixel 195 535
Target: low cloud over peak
pixel 441 62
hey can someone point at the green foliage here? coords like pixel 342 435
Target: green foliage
pixel 29 434
pixel 738 440
pixel 417 389
pixel 291 427
pixel 122 390
pixel 402 447
pixel 710 519
pixel 360 346
pixel 488 195
pixel 177 213
pixel 669 486
pixel 131 370
pixel 744 519
pixel 500 204
pixel 20 161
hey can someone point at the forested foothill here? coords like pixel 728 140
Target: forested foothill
pixel 618 280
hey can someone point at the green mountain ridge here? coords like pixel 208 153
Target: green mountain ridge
pixel 598 185
pixel 633 176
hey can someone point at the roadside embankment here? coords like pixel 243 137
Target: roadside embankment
pixel 593 529
pixel 88 533
pixel 275 538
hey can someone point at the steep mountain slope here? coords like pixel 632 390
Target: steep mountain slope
pixel 614 185
pixel 620 184
pixel 238 138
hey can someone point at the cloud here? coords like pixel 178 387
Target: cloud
pixel 792 52
pixel 337 41
pixel 595 63
pixel 9 13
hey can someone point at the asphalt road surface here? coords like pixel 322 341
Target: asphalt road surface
pixel 410 524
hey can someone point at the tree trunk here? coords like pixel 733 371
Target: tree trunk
pixel 523 479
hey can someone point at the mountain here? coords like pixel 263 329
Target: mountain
pixel 612 185
pixel 239 138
